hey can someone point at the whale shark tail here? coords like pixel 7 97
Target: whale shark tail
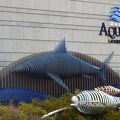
pixel 102 68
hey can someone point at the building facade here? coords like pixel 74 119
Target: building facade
pixel 32 26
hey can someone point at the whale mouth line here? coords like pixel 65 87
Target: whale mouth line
pixel 73 105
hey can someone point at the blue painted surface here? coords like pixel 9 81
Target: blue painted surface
pixel 115 14
pixel 18 95
pixel 117 86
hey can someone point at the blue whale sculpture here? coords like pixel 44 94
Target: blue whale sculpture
pixel 18 95
pixel 59 63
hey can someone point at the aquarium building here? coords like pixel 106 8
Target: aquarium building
pixel 32 26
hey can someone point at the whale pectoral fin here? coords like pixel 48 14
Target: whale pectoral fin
pixel 57 79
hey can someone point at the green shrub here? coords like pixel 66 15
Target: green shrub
pixel 36 109
pixel 11 113
pixel 112 115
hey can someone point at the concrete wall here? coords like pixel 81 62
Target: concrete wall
pixel 30 26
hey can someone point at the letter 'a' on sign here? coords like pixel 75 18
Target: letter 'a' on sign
pixel 103 29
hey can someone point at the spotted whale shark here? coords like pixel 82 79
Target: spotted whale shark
pixel 58 64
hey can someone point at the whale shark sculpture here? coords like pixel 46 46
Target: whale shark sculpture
pixel 90 102
pixel 59 63
pixel 94 102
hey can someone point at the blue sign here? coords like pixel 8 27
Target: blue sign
pixel 115 14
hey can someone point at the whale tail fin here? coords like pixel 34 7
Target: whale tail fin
pixel 103 67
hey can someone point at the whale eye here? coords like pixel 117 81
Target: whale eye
pixel 104 88
pixel 74 99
